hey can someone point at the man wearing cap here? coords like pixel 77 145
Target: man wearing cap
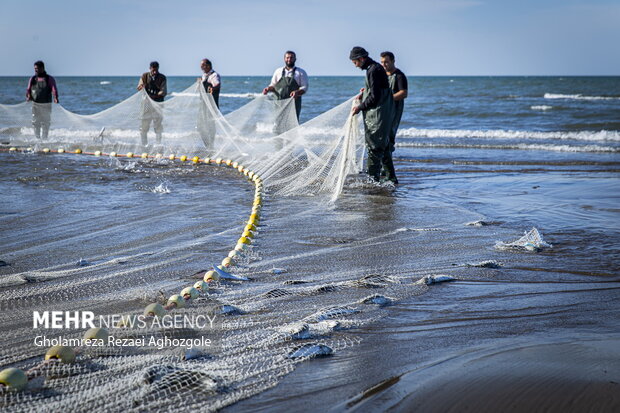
pixel 41 89
pixel 154 84
pixel 289 81
pixel 377 107
pixel 399 87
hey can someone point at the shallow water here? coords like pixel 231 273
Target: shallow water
pixel 147 227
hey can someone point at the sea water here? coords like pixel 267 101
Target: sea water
pixel 514 152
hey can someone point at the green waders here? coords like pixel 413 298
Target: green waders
pixel 377 126
pixel 285 86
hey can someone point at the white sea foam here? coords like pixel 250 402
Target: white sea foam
pixel 602 135
pixel 81 135
pixel 521 146
pixel 228 95
pixel 184 94
pixel 105 82
pixel 578 97
pixel 241 95
pixel 541 107
pixel 161 189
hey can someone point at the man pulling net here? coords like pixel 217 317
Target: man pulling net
pixel 155 86
pixel 377 107
pixel 41 87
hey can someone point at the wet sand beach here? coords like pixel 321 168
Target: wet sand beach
pixel 537 333
pixel 578 376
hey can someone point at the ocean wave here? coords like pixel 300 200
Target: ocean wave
pixel 602 135
pixel 88 136
pixel 520 146
pixel 578 97
pixel 241 95
pixel 184 94
pixel 227 95
pixel 105 82
pixel 541 107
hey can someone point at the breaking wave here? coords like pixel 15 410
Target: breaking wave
pixel 602 135
pixel 188 94
pixel 541 107
pixel 241 95
pixel 578 97
pixel 521 146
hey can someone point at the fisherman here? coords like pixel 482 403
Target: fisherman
pixel 212 84
pixel 154 84
pixel 377 107
pixel 398 85
pixel 289 81
pixel 211 80
pixel 41 88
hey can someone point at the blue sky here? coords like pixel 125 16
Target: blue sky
pixel 244 37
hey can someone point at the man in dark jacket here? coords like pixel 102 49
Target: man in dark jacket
pixel 155 86
pixel 41 89
pixel 400 90
pixel 377 107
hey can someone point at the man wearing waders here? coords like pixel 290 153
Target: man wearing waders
pixel 377 107
pixel 399 87
pixel 212 84
pixel 154 84
pixel 41 87
pixel 289 81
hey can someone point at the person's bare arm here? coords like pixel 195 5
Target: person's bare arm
pixel 400 95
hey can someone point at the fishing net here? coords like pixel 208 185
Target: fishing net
pixel 251 349
pixel 531 240
pixel 263 135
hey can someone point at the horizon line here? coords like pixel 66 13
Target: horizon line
pixel 361 74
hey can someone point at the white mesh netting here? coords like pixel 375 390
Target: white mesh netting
pixel 532 240
pixel 252 348
pixel 263 135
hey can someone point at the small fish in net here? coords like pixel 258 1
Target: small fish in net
pixel 377 299
pixel 485 264
pixel 372 281
pixel 277 293
pixel 311 350
pixel 330 313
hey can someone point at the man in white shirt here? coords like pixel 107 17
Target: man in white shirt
pixel 212 84
pixel 289 81
pixel 211 80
